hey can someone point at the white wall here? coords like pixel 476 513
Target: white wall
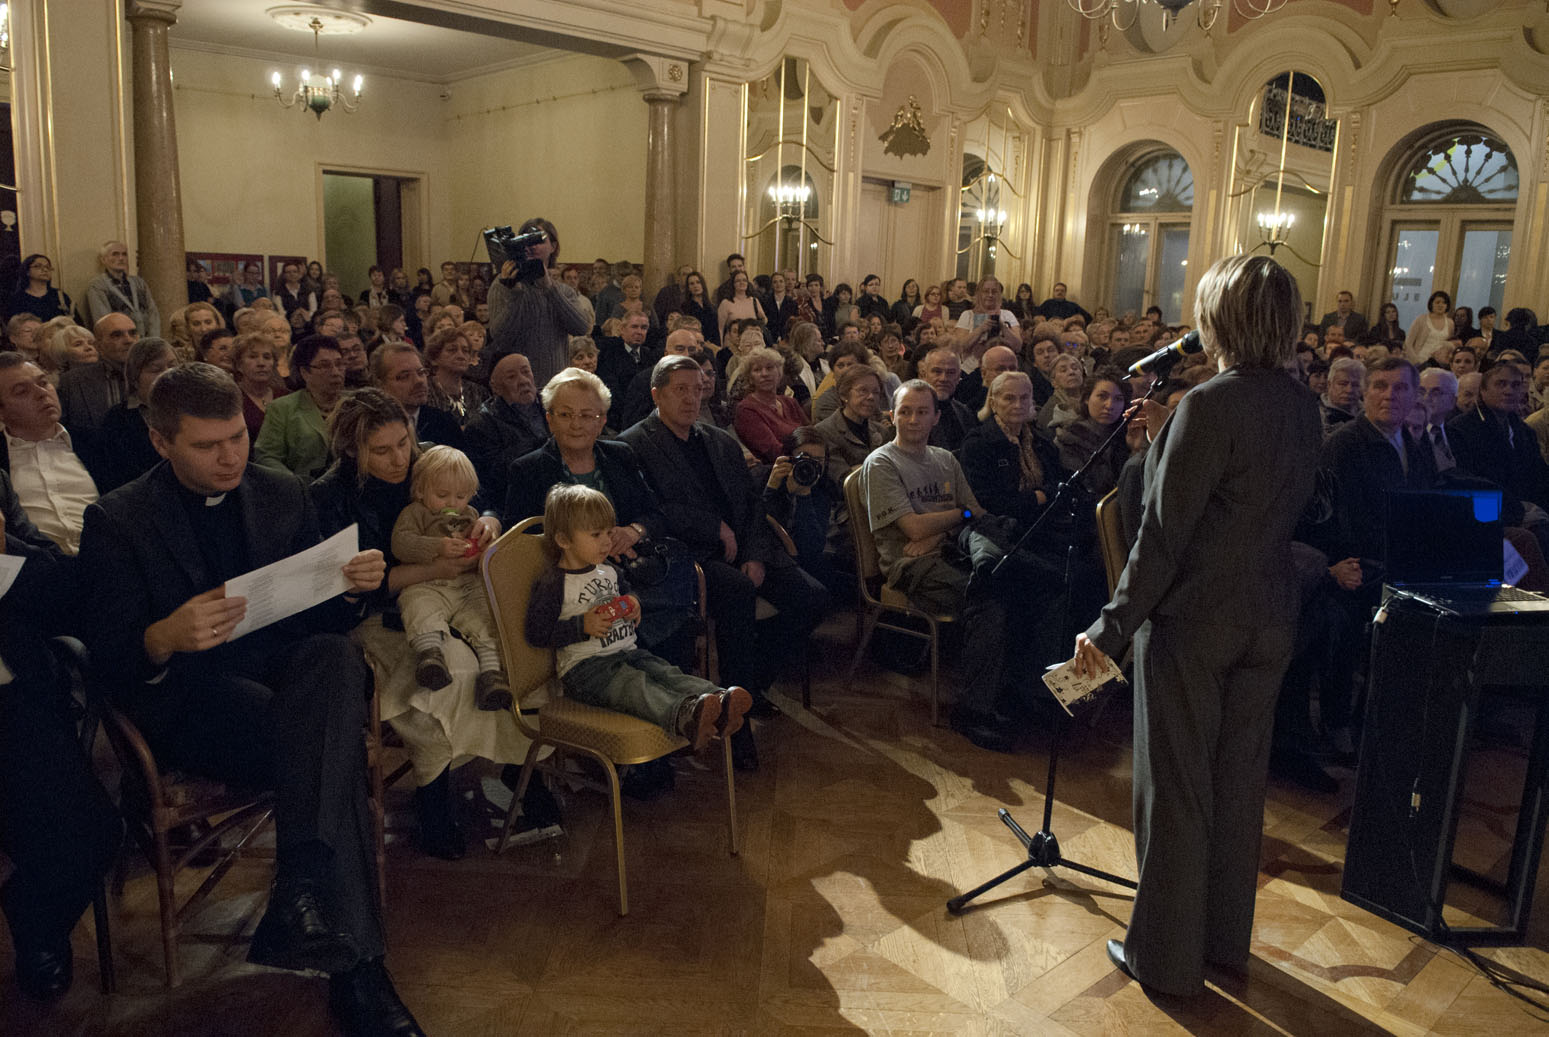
pixel 250 169
pixel 564 139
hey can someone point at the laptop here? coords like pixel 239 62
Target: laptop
pixel 1444 547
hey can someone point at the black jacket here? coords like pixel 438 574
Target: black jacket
pixel 1483 448
pixel 141 562
pixel 1364 467
pixel 497 434
pixel 437 426
pixel 993 466
pixel 531 477
pixel 690 517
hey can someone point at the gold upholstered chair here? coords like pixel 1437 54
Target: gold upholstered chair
pixel 510 567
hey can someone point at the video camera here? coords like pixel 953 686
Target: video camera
pixel 505 245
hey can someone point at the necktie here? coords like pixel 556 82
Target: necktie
pixel 1443 453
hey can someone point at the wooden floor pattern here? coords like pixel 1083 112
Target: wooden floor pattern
pixel 861 823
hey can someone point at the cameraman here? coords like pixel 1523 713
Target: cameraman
pixel 799 495
pixel 986 306
pixel 532 312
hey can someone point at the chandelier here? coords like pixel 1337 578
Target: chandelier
pixel 323 92
pixel 1123 13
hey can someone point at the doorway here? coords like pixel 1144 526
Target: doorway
pixel 902 240
pixel 366 218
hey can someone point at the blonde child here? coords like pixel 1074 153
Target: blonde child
pixel 582 608
pixel 436 525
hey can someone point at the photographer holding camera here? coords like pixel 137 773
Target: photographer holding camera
pixel 530 311
pixel 799 495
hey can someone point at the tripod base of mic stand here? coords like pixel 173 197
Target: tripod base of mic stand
pixel 1043 851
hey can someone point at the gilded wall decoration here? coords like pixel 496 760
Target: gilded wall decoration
pixel 907 134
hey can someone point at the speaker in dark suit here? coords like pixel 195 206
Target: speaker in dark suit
pixel 1205 597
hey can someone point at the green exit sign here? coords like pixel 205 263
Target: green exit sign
pixel 900 192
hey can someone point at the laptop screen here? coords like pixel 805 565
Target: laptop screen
pixel 1444 536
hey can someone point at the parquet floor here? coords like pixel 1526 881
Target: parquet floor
pixel 862 822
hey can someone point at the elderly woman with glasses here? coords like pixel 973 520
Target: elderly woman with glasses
pixel 575 404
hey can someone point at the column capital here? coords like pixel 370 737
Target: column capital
pixel 158 10
pixel 658 78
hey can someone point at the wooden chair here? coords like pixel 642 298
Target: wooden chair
pixel 877 598
pixel 1110 538
pixel 510 566
pixel 155 802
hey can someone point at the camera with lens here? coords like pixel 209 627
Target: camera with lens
pixel 806 470
pixel 505 245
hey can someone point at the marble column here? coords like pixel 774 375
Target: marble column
pixel 158 194
pixel 662 82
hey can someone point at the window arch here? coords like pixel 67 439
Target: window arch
pixel 1448 221
pixel 1148 234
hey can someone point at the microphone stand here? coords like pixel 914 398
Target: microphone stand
pixel 1043 847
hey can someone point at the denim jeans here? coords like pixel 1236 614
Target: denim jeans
pixel 635 682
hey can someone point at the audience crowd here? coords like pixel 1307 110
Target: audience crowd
pixel 147 458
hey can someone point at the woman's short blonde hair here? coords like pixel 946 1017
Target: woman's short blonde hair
pixel 580 379
pixel 58 351
pixel 246 343
pixel 740 369
pixel 570 509
pixel 444 462
pixel 1249 312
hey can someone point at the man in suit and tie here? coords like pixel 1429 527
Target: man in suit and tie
pixel 282 707
pixel 1205 596
pixel 398 369
pixel 620 359
pixel 712 505
pixel 1439 393
pixel 1492 442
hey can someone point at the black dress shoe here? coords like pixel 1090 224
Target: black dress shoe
pixel 986 730
pixel 295 933
pixel 366 1005
pixel 744 751
pixel 1116 955
pixel 45 975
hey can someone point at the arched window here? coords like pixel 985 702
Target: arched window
pixel 1449 217
pixel 1148 235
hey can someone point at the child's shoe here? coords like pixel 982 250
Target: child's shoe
pixel 430 671
pixel 491 692
pixel 699 719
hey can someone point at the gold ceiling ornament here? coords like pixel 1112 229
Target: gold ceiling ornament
pixel 906 136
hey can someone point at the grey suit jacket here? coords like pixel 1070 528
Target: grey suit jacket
pixel 1226 481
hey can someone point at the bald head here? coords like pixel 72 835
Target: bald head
pixel 115 334
pixel 997 360
pixel 679 343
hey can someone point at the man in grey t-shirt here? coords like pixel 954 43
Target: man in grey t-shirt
pixel 916 500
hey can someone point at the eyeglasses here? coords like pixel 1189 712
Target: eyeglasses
pixel 325 365
pixel 584 417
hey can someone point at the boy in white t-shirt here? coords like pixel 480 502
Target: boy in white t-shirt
pixel 581 607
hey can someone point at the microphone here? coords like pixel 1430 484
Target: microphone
pixel 1162 360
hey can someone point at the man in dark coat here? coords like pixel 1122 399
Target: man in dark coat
pixel 56 823
pixel 281 707
pixel 712 505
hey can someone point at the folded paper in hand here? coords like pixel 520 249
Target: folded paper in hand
pixel 291 585
pixel 1071 689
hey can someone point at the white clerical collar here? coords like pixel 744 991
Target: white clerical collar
pixel 215 501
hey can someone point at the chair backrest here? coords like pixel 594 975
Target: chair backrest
pixel 1110 538
pixel 868 565
pixel 510 567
